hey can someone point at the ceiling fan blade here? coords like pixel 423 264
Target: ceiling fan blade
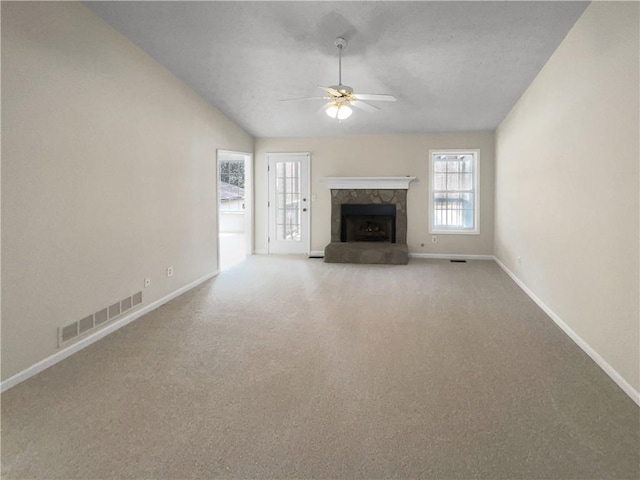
pixel 364 106
pixel 303 98
pixel 331 91
pixel 377 97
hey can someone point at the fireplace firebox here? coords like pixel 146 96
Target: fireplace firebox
pixel 368 223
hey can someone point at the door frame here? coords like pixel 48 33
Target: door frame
pixel 248 199
pixel 308 222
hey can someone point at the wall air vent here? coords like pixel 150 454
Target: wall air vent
pixel 85 324
pixel 137 299
pixel 91 323
pixel 114 310
pixel 69 332
pixel 126 304
pixel 102 316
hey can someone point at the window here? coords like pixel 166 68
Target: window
pixel 231 185
pixel 454 191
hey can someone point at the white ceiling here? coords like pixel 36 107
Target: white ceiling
pixel 454 66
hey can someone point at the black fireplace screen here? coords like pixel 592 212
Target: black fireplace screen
pixel 375 222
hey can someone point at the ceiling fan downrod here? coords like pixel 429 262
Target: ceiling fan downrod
pixel 340 43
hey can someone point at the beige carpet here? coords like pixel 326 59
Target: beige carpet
pixel 292 368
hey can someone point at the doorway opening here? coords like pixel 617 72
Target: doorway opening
pixel 235 213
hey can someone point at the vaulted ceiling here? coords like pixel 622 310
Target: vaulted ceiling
pixel 453 66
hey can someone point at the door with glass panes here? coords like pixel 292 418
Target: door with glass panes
pixel 288 202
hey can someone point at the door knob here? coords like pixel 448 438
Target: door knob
pixel 304 209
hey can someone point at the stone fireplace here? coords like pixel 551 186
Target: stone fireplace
pixel 368 220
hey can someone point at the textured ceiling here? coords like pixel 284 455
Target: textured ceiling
pixel 453 66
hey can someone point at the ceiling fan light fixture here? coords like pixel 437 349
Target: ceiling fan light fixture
pixel 341 112
pixel 342 97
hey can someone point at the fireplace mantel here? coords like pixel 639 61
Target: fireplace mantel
pixel 373 183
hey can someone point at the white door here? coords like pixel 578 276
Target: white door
pixel 289 202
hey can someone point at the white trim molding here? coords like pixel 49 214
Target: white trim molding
pixel 595 356
pixel 85 342
pixel 373 183
pixel 451 256
pixel 316 254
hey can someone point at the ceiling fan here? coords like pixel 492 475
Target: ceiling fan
pixel 341 97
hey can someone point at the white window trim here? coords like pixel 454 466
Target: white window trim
pixel 476 191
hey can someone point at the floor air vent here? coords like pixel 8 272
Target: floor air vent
pixel 91 322
pixel 458 261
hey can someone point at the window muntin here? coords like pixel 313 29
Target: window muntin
pixel 231 186
pixel 454 191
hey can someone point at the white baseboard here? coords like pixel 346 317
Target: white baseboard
pixel 451 256
pixel 595 356
pixel 85 342
pixel 316 254
pixel 260 252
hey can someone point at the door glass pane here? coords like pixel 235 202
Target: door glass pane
pixel 288 198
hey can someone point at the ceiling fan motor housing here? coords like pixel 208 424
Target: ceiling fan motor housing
pixel 345 90
pixel 340 42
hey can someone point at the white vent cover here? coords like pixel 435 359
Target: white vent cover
pixel 126 304
pixel 89 323
pixel 137 299
pixel 114 310
pixel 85 324
pixel 101 316
pixel 69 332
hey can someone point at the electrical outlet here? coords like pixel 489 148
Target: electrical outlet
pixel 169 271
pixel 147 282
pixel 422 244
pixel 434 239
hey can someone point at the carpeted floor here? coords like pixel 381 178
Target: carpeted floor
pixel 293 368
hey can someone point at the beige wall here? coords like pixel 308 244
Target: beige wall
pixel 567 184
pixel 381 155
pixel 108 175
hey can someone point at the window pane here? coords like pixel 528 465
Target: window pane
pixel 453 181
pixel 231 186
pixel 466 181
pixel 439 166
pixel 440 181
